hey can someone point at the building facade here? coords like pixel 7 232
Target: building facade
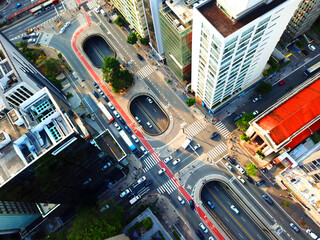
pixel 176 26
pixel 302 20
pixel 232 42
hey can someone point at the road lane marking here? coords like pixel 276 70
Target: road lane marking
pixel 226 219
pixel 230 214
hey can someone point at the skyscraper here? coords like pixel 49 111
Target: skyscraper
pixel 302 20
pixel 232 42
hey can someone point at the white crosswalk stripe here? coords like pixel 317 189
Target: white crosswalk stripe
pixel 92 4
pixel 168 187
pixel 145 71
pixel 194 129
pixel 149 162
pixel 222 129
pixel 216 151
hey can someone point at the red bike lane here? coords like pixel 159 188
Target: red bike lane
pixel 133 127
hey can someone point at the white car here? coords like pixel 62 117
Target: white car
pixel 234 209
pixel 62 30
pixel 203 228
pixel 67 24
pixel 311 47
pixel 116 114
pixel 34 35
pixel 106 166
pixel 117 126
pixel 175 162
pixel 311 234
pixel 197 146
pixel 149 100
pixel 210 238
pixel 141 180
pixel 97 9
pixel 149 125
pixel 143 150
pixel 125 193
pixel 135 139
pixel 110 105
pixel 241 179
pixel 138 119
pixel 31 40
pixel 180 199
pixel 162 170
pixel 167 159
pixel 255 99
pixel 240 169
pixel 255 112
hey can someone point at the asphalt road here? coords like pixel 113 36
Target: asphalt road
pixel 241 226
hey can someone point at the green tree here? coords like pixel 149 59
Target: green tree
pixel 191 101
pixel 264 88
pixel 52 66
pixel 286 203
pixel 144 41
pixel 119 21
pixel 147 223
pixel 251 169
pixel 132 38
pixel 243 122
pixel 110 68
pixel 59 55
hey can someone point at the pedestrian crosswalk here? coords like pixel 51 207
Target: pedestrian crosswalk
pixel 194 129
pixel 216 151
pixel 168 187
pixel 149 162
pixel 222 129
pixel 145 71
pixel 91 4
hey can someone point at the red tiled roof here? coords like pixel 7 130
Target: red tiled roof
pixel 293 114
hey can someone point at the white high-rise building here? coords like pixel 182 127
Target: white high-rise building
pixel 232 41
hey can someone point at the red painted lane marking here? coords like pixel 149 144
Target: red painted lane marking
pixel 138 133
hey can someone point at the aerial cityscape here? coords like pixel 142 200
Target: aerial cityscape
pixel 160 119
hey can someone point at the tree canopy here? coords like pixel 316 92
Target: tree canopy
pixel 52 66
pixel 243 122
pixel 264 88
pixel 112 73
pixel 132 38
pixel 191 101
pixel 251 169
pixel 119 21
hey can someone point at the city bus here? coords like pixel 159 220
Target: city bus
pixel 105 111
pixel 44 6
pixel 127 140
pixel 312 69
pixel 82 128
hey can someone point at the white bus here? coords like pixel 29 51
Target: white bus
pixel 105 111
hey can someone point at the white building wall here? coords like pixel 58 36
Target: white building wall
pixel 263 36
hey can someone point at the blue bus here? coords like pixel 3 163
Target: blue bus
pixel 128 141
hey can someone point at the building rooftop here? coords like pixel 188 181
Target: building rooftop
pixel 299 113
pixel 225 25
pixel 27 134
pixel 182 9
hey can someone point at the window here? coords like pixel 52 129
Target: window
pixel 231 41
pixel 247 31
pixel 264 21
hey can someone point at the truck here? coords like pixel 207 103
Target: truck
pixel 127 140
pixel 186 143
pixel 134 200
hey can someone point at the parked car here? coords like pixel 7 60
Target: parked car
pixel 199 234
pixel 34 35
pixel 135 139
pixel 268 200
pixel 97 9
pixel 117 126
pixel 95 84
pixel 149 125
pixel 138 119
pixel 122 121
pixel 140 57
pixel 67 24
pixel 127 129
pixel 210 205
pixel 180 199
pixel 269 166
pixel 167 159
pixel 264 170
pixel 32 40
pixel 281 83
pixel 259 183
pixel 116 114
pixel 106 166
pixel 256 112
pixel 249 178
pixel 24 37
pixel 294 227
pixel 131 195
pixel 240 169
pixel 62 30
pixel 191 204
pixel 18 5
pixel 231 160
pixel 237 117
pixel 197 146
pixel 125 193
pixel 215 134
pixel 305 52
pixel 110 105
pixel 143 150
pixel 148 183
pixel 95 94
pixel 311 47
pixel 229 166
pixel 149 100
pixel 162 170
pixel 204 229
pixel 311 234
pixel 175 162
pixel 141 180
pixel 108 19
pixel 233 208
pixel 241 179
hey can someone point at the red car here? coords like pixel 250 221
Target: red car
pixel 281 83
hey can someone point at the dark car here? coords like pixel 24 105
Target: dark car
pixel 305 52
pixel 148 183
pixel 25 37
pixel 231 160
pixel 199 234
pixel 127 129
pixel 140 57
pixel 106 98
pixel 249 178
pixel 259 183
pixel 264 170
pixel 191 204
pixel 238 117
pixel 121 120
pixel 108 19
pixel 95 84
pixel 268 200
pixel 18 5
pixel 215 134
pixel 95 94
pixel 131 195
